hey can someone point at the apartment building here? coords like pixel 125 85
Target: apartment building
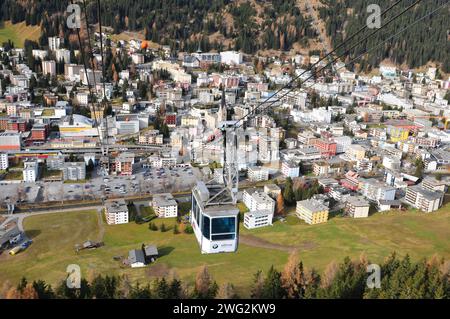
pixel 272 190
pixel 326 147
pixel 376 190
pixel 424 199
pixel 392 163
pixel 49 67
pixel 356 152
pixel 269 150
pixel 312 211
pixel 4 164
pixel 357 207
pixel 339 193
pixel 124 163
pixel 164 205
pixel 433 184
pixel 351 180
pixel 191 121
pixel 10 141
pixel 54 43
pixel 342 143
pixel 257 200
pixel 39 132
pixel 116 212
pixel 258 219
pixel 257 174
pixel 74 171
pixel 364 165
pixel 152 137
pixel 160 161
pixel 290 169
pixel 323 168
pixel 306 137
pixel 30 171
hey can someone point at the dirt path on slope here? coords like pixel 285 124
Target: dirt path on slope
pixel 254 241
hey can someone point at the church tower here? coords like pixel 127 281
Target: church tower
pixel 223 112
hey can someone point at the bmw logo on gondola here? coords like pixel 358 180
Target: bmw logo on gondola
pixel 215 246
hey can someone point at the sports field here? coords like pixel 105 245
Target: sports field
pixel 18 33
pixel 54 235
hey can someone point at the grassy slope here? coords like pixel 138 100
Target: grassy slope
pixel 418 234
pixel 18 33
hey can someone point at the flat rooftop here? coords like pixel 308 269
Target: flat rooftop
pixel 116 206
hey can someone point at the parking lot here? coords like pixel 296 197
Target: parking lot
pixel 143 181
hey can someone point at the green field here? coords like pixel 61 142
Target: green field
pixel 54 235
pixel 18 33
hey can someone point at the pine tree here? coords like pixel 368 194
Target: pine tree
pixel 175 289
pixel 43 290
pixel 272 287
pixel 257 287
pixel 288 193
pixel 162 289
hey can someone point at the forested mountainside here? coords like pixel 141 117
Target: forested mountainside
pixel 255 25
pixel 242 25
pixel 425 41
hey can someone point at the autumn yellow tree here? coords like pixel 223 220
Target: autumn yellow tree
pixel 205 287
pixel 28 292
pixel 280 205
pixel 226 291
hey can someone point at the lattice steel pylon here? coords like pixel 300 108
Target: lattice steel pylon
pixel 230 169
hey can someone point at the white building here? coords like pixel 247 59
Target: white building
pixel 257 174
pixel 256 200
pixel 364 165
pixel 39 54
pixel 160 161
pixel 30 171
pixel 357 207
pixel 391 163
pixel 165 205
pixel 231 57
pixel 116 212
pixel 54 43
pixel 62 55
pixel 258 219
pixel 49 67
pixel 375 190
pixel 4 164
pixel 83 98
pixel 74 171
pixel 290 169
pixel 342 143
pixel 424 199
